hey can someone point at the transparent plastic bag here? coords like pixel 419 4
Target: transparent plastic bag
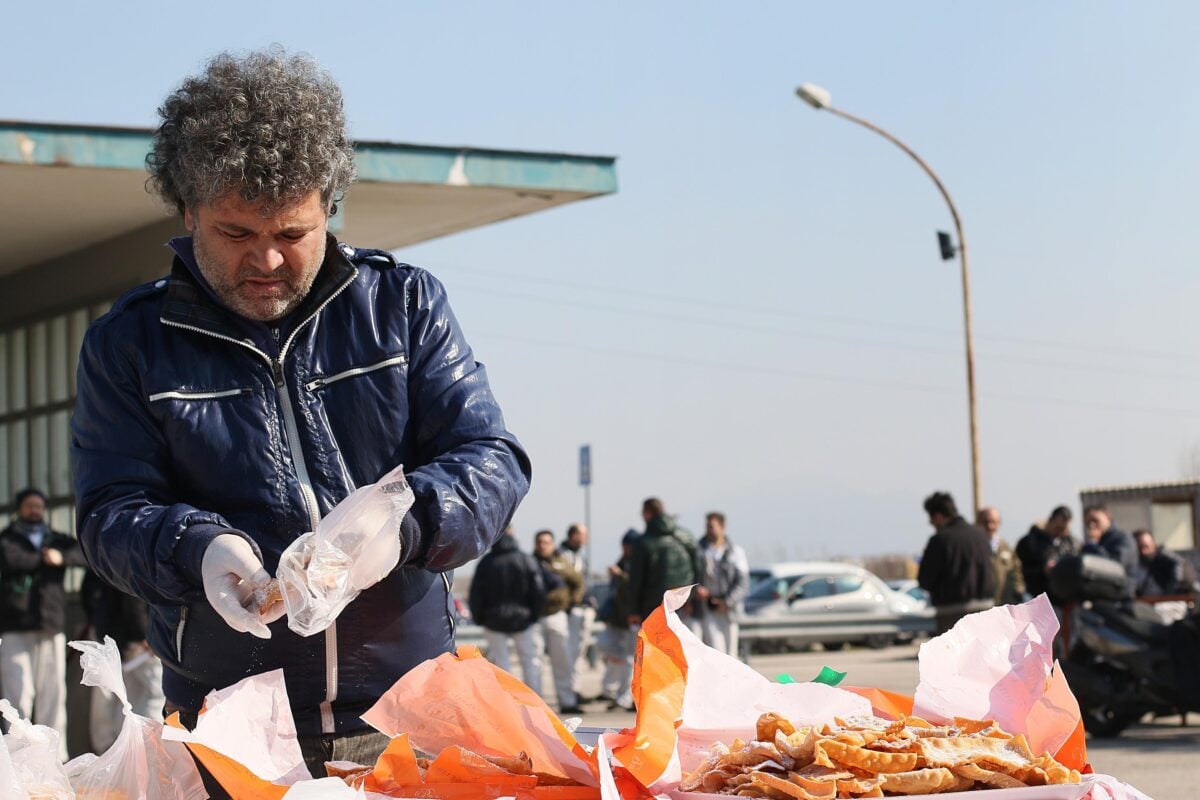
pixel 140 765
pixel 352 549
pixel 33 753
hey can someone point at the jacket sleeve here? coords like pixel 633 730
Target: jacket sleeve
pixel 637 579
pixel 537 590
pixel 931 566
pixel 73 555
pixel 135 533
pixel 17 558
pixel 471 472
pixel 741 584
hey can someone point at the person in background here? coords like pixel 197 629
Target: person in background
pixel 582 615
pixel 1042 547
pixel 956 568
pixel 723 585
pixel 123 617
pixel 506 598
pixel 1010 583
pixel 1106 539
pixel 618 641
pixel 564 587
pixel 666 557
pixel 33 641
pixel 1159 571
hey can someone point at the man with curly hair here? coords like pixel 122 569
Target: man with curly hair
pixel 224 409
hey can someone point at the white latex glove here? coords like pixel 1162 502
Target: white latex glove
pixel 231 572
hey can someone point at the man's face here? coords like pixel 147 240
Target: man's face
pixel 989 520
pixel 714 530
pixel 1096 523
pixel 260 266
pixel 577 538
pixel 32 509
pixel 1147 547
pixel 544 546
pixel 937 520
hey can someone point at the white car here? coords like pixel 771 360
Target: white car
pixel 802 603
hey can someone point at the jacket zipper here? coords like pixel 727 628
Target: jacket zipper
pixel 292 434
pixel 154 398
pixel 318 383
pixel 183 615
pixel 450 609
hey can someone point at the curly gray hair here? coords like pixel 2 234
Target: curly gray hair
pixel 268 126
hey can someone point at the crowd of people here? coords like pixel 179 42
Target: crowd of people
pixel 969 567
pixel 540 603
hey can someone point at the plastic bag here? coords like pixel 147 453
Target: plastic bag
pixel 352 549
pixel 9 785
pixel 140 764
pixel 33 751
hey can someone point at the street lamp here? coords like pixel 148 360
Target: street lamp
pixel 820 99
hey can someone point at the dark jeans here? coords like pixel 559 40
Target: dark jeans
pixel 361 747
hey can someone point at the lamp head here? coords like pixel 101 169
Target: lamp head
pixel 814 95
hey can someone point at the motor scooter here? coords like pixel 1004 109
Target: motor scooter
pixel 1122 661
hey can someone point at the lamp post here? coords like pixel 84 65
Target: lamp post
pixel 821 100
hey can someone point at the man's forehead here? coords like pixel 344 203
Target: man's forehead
pixel 233 209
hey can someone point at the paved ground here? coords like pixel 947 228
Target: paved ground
pixel 1159 757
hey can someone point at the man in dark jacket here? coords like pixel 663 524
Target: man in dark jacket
pixel 506 598
pixel 222 411
pixel 33 643
pixel 1106 539
pixel 1160 572
pixel 1043 547
pixel 666 557
pixel 956 568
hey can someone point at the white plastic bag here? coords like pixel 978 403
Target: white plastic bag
pixel 10 787
pixel 352 549
pixel 140 765
pixel 33 750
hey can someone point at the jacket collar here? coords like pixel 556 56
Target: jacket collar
pixel 191 302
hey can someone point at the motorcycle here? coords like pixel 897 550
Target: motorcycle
pixel 1122 661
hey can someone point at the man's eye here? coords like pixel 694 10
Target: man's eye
pixel 235 237
pixel 294 237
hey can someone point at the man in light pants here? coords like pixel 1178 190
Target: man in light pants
pixel 564 586
pixel 725 583
pixel 33 645
pixel 582 615
pixel 507 597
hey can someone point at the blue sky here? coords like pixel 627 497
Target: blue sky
pixel 758 321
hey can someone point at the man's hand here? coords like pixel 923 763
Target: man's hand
pixel 52 557
pixel 700 592
pixel 231 572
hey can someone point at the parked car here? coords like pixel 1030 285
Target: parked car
pixel 803 603
pixel 910 587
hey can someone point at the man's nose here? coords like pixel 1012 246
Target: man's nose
pixel 267 258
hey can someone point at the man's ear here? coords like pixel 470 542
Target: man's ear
pixel 189 220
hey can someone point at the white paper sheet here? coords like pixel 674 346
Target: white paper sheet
pixel 251 722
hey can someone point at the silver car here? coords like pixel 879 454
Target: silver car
pixel 803 603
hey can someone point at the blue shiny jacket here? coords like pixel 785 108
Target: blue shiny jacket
pixel 191 421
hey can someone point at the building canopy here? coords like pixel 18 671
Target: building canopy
pixel 78 225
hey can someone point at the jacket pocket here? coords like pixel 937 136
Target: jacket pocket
pixel 322 381
pixel 188 395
